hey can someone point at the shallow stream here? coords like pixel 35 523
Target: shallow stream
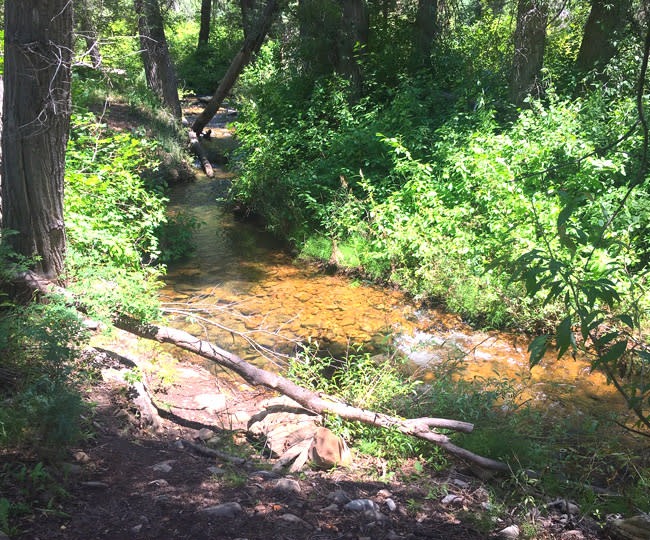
pixel 240 278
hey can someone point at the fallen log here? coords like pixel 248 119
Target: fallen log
pixel 422 428
pixel 251 46
pixel 200 153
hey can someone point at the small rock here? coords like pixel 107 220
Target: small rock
pixel 292 518
pixel 331 508
pixel 137 528
pixel 214 441
pixel 227 510
pixel 361 505
pixel 460 483
pixel 288 484
pixel 564 506
pixel 163 466
pixel 339 497
pixel 178 445
pixel 217 471
pixel 574 534
pixel 160 482
pixel 449 499
pixel 390 504
pixel 204 434
pixel 510 533
pixel 81 457
pixel 94 485
pixel 328 450
pixel 373 514
pixel 384 493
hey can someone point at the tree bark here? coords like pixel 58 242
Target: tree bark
pixel 204 29
pixel 354 33
pixel 247 16
pixel 251 45
pixel 426 21
pixel 201 154
pixel 88 31
pixel 528 58
pixel 422 428
pixel 605 24
pixel 38 52
pixel 158 67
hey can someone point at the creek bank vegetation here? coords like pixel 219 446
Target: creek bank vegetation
pixel 363 147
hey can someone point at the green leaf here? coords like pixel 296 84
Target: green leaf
pixel 565 337
pixel 626 319
pixel 537 349
pixel 605 339
pixel 565 214
pixel 615 352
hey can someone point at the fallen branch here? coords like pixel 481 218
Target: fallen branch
pixel 422 428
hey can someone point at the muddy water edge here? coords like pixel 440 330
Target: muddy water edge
pixel 242 290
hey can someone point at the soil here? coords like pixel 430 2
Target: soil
pixel 130 481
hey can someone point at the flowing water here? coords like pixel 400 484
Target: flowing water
pixel 241 290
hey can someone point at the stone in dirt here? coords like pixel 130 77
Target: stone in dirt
pixel 164 466
pixel 451 499
pixel 339 497
pixel 328 450
pixel 292 518
pixel 390 504
pixel 361 505
pixel 227 510
pixel 204 434
pixel 509 533
pixel 289 485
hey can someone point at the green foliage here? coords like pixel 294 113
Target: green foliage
pixel 201 70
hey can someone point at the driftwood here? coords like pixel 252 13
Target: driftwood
pixel 212 453
pixel 200 153
pixel 422 428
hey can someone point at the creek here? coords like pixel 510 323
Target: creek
pixel 244 292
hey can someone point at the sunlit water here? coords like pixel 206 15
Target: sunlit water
pixel 239 277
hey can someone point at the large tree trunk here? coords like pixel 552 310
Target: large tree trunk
pixel 204 29
pixel 422 428
pixel 426 21
pixel 530 39
pixel 158 67
pixel 605 24
pixel 38 50
pixel 251 45
pixel 354 32
pixel 247 16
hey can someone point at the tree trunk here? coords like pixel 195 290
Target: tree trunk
pixel 355 26
pixel 605 24
pixel 158 67
pixel 426 21
pixel 87 30
pixel 38 51
pixel 251 45
pixel 204 30
pixel 247 16
pixel 528 58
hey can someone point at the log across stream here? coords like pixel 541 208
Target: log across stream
pixel 240 277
